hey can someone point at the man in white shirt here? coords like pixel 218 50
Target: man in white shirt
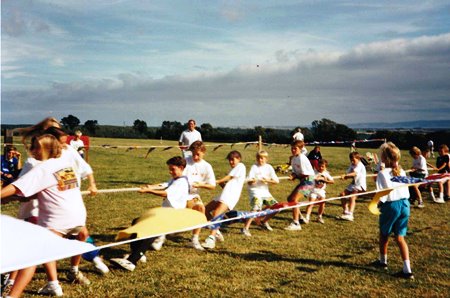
pixel 188 137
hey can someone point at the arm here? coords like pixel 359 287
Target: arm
pixel 92 186
pixel 8 191
pixel 224 180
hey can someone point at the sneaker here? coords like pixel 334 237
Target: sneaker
pixel 379 264
pixel 305 220
pixel 421 205
pixel 100 266
pixel 210 242
pixel 51 290
pixel 402 274
pixel 440 200
pixel 266 226
pixel 320 220
pixel 78 277
pixel 219 236
pixel 348 217
pixel 123 264
pixel 143 259
pixel 246 232
pixel 6 289
pixel 196 244
pixel 293 227
pixel 158 242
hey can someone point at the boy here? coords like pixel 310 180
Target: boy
pixel 302 170
pixel 357 172
pixel 261 175
pixel 11 164
pixel 200 175
pixel 175 194
pixel 321 180
pixel 443 166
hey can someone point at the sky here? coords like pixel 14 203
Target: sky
pixel 227 63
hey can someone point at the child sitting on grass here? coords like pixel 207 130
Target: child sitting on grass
pixel 321 179
pixel 302 170
pixel 443 166
pixel 418 170
pixel 260 176
pixel 175 194
pixel 232 187
pixel 395 210
pixel 356 172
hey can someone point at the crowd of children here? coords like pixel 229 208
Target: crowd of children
pixel 52 175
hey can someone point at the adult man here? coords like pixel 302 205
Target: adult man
pixel 298 136
pixel 188 137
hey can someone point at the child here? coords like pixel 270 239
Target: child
pixel 77 143
pixel 200 175
pixel 395 210
pixel 175 194
pixel 261 175
pixel 321 179
pixel 11 164
pixel 443 166
pixel 418 170
pixel 232 187
pixel 314 157
pixel 357 172
pixel 61 207
pixel 302 170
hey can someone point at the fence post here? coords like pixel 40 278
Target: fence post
pixel 259 143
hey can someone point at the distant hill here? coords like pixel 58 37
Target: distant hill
pixel 425 124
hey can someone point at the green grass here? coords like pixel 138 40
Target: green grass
pixel 321 260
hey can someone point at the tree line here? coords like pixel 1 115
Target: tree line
pixel 324 130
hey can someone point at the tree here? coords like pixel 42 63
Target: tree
pixel 70 122
pixel 327 130
pixel 207 130
pixel 140 126
pixel 91 126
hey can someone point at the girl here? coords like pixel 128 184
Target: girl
pixel 61 207
pixel 395 209
pixel 418 170
pixel 232 187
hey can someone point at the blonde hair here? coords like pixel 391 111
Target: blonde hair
pixel 390 155
pixel 45 147
pixel 262 153
pixel 414 151
pixel 38 129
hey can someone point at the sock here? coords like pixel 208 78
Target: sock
pixel 74 269
pixel 97 260
pixel 432 195
pixel 10 282
pixel 296 222
pixel 194 238
pixel 307 217
pixel 53 283
pixel 383 259
pixel 406 266
pixel 441 195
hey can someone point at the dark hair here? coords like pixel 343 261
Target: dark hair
pixel 9 148
pixel 56 132
pixel 197 146
pixel 298 144
pixel 177 161
pixel 355 155
pixel 322 162
pixel 234 154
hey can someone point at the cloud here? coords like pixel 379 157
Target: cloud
pixel 381 81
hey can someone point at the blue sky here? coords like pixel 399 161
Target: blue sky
pixel 228 63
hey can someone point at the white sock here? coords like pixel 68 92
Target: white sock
pixel 296 222
pixel 441 196
pixel 383 259
pixel 97 260
pixel 432 195
pixel 406 266
pixel 307 217
pixel 74 269
pixel 10 282
pixel 194 238
pixel 53 283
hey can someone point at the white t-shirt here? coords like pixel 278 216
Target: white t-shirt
pixel 420 164
pixel 301 165
pixel 319 176
pixel 80 166
pixel 260 189
pixel 384 181
pixel 177 193
pixel 60 203
pixel 188 137
pixel 77 144
pixel 298 136
pixel 232 191
pixel 200 171
pixel 359 181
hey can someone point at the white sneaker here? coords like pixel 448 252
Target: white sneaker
pixel 100 266
pixel 210 242
pixel 293 227
pixel 51 290
pixel 348 217
pixel 266 226
pixel 143 259
pixel 196 244
pixel 305 220
pixel 440 200
pixel 219 236
pixel 421 205
pixel 158 242
pixel 320 220
pixel 123 263
pixel 246 232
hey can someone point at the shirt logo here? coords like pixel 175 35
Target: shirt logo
pixel 66 179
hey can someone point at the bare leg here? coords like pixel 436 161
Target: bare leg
pixel 24 277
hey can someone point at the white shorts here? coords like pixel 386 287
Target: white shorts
pixel 318 193
pixel 354 188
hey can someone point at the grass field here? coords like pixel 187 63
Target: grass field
pixel 329 260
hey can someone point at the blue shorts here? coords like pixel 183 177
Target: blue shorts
pixel 394 218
